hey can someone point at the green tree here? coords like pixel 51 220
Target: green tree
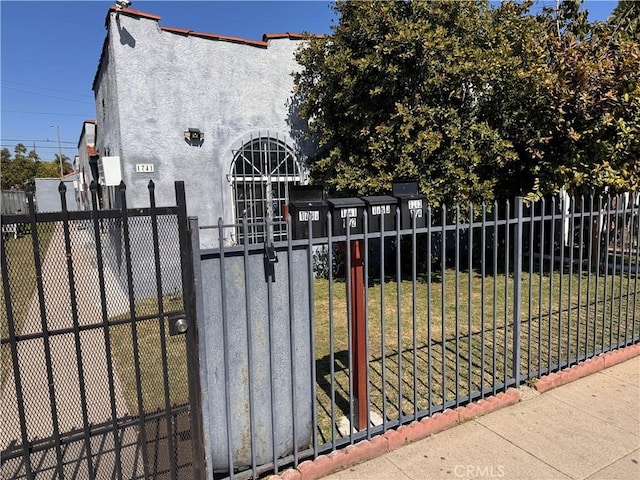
pixel 479 102
pixel 21 169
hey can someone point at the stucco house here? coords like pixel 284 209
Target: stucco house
pixel 214 111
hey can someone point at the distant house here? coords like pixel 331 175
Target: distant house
pixel 214 111
pixel 86 162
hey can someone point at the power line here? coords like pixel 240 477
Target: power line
pixel 47 95
pixel 44 88
pixel 24 140
pixel 50 113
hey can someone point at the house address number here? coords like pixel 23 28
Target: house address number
pixel 144 168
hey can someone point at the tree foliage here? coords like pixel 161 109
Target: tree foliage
pixel 23 167
pixel 478 101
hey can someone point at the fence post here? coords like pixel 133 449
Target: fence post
pixel 193 361
pixel 517 288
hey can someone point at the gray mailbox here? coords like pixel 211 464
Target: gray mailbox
pixel 346 212
pixel 412 204
pixel 381 207
pixel 306 202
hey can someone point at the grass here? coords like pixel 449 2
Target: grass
pixel 559 323
pixel 22 284
pixel 558 326
pixel 150 335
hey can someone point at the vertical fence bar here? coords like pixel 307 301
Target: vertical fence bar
pixel 382 322
pixel 189 243
pixel 429 304
pixel 312 342
pixel 530 308
pixel 365 228
pixel 621 277
pixel 631 269
pixel 637 268
pixel 457 307
pixel 563 202
pixel 469 296
pixel 161 327
pixel 580 261
pixel 507 247
pixel 13 343
pixel 495 297
pixel 540 282
pixel 483 271
pixel 552 249
pixel 332 357
pixel 443 274
pixel 517 289
pixel 134 328
pixel 272 353
pixel 595 310
pixel 95 216
pixel 225 348
pixel 589 268
pixel 613 268
pixel 35 244
pixel 250 337
pixel 62 189
pixel 350 320
pixel 572 224
pixel 399 318
pixel 606 279
pixel 414 296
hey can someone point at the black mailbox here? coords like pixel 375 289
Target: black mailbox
pixel 412 204
pixel 381 206
pixel 307 202
pixel 346 211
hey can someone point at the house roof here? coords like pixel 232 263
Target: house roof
pixel 264 43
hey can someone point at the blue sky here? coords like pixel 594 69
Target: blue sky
pixel 50 52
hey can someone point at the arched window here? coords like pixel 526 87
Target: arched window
pixel 262 171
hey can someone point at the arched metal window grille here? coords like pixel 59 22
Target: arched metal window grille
pixel 261 173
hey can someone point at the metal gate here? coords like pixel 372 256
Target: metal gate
pixel 99 350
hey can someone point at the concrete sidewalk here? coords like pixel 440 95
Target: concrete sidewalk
pixel 587 429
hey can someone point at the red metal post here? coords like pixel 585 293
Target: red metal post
pixel 358 339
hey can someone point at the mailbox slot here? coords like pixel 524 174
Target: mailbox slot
pixel 306 202
pixel 346 212
pixel 411 204
pixel 381 205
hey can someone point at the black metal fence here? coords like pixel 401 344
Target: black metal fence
pixel 306 345
pixel 463 307
pixel 97 376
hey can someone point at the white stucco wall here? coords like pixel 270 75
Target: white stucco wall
pixel 155 85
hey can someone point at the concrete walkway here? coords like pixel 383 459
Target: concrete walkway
pixel 587 429
pixel 66 377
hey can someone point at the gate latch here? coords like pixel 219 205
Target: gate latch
pixel 178 326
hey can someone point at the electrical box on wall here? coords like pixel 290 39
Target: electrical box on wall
pixel 110 173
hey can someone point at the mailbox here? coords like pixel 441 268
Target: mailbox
pixel 381 207
pixel 307 202
pixel 411 204
pixel 346 212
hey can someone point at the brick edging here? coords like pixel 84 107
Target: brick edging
pixel 393 439
pixel 592 365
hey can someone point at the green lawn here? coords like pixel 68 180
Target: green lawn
pixel 554 328
pixel 484 335
pixel 22 284
pixel 149 340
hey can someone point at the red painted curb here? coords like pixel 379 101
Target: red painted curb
pixel 592 365
pixel 369 449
